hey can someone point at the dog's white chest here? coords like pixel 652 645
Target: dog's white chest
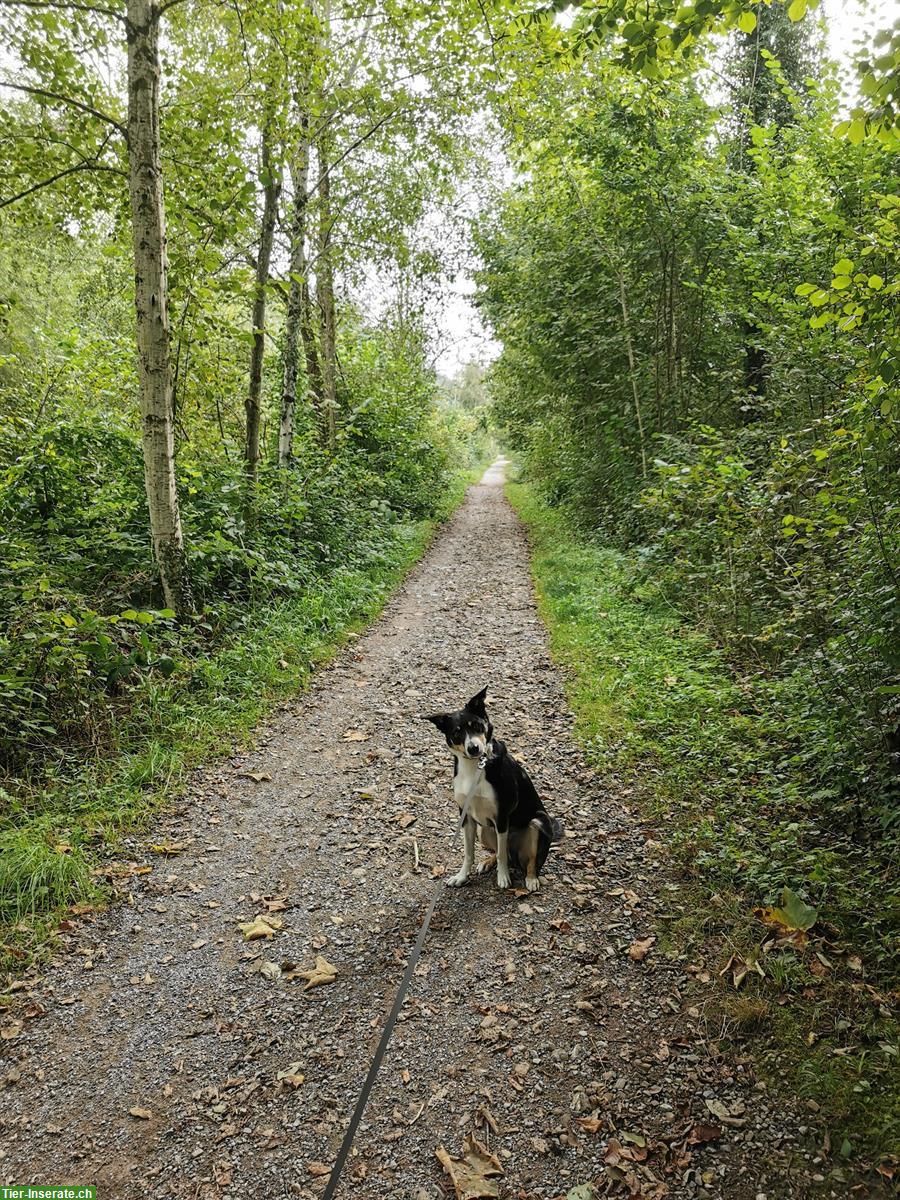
pixel 483 804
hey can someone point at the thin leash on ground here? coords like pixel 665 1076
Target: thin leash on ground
pixel 378 1057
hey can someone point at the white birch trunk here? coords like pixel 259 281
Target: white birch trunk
pixel 148 224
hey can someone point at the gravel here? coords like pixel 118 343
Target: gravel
pixel 150 1051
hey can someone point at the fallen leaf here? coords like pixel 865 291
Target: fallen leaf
pixel 168 848
pixel 584 1191
pixel 292 1076
pixel 260 927
pixel 793 916
pixel 318 1169
pixel 590 1124
pixel 354 735
pixel 405 820
pixel 718 1109
pixel 256 776
pixel 640 948
pixel 704 1133
pixel 143 1114
pixel 322 972
pixel 8 1032
pixel 474 1175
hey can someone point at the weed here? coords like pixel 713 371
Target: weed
pixel 711 754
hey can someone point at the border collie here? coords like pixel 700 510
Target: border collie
pixel 511 819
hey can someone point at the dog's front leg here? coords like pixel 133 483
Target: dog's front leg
pixel 468 832
pixel 503 879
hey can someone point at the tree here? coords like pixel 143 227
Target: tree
pixel 148 223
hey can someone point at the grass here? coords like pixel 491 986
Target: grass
pixel 707 753
pixel 54 835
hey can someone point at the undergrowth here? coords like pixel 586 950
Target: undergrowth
pixel 55 828
pixel 715 757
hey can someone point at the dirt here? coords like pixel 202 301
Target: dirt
pixel 547 1024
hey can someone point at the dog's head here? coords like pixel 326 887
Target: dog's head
pixel 468 730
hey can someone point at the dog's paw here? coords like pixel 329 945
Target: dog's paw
pixel 532 883
pixel 458 879
pixel 503 879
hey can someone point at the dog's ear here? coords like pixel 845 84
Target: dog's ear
pixel 442 720
pixel 476 704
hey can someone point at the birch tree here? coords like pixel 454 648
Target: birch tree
pixel 148 224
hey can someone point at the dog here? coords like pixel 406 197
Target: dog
pixel 513 824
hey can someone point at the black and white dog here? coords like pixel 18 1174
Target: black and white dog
pixel 511 819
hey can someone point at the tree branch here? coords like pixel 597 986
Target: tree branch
pixel 353 146
pixel 80 105
pixel 65 4
pixel 82 166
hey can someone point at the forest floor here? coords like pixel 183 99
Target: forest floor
pixel 153 1057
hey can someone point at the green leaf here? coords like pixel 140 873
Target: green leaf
pixel 797 10
pixel 856 131
pixel 843 266
pixel 747 22
pixel 795 913
pixel 876 283
pixel 840 282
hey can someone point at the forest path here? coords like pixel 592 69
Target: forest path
pixel 527 1019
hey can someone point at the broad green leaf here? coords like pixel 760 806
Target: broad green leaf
pixel 747 22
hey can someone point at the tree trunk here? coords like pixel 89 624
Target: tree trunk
pixel 298 298
pixel 629 347
pixel 311 350
pixel 148 225
pixel 756 372
pixel 325 296
pixel 271 190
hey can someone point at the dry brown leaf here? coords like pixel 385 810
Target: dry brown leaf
pixel 640 948
pixel 318 1169
pixel 322 972
pixel 590 1124
pixel 260 927
pixel 405 820
pixel 474 1175
pixel 292 1076
pixel 143 1114
pixel 354 735
pixel 704 1133
pixel 256 776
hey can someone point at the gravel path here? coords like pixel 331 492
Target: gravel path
pixel 156 1059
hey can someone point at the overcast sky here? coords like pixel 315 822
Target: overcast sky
pixel 464 337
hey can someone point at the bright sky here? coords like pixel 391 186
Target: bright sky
pixel 464 338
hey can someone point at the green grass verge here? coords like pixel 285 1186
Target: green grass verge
pixel 709 759
pixel 52 836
